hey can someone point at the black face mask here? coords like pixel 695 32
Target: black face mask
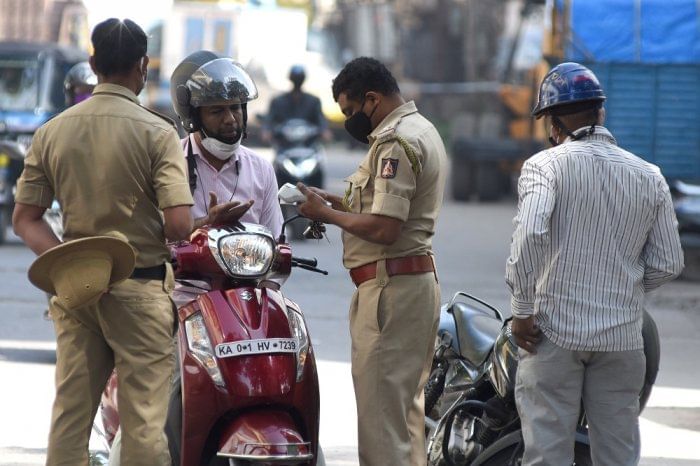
pixel 359 125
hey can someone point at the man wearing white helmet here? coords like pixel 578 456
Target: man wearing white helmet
pixel 229 181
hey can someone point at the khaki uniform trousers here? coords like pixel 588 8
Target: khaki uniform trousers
pixel 393 323
pixel 130 328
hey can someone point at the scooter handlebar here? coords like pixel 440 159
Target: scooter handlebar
pixel 307 264
pixel 312 262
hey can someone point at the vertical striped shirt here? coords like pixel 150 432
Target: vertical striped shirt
pixel 595 230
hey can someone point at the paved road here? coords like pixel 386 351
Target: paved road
pixel 471 247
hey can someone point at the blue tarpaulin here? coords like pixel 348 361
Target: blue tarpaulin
pixel 634 31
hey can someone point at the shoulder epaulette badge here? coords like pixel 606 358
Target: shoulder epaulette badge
pixel 390 134
pixel 386 135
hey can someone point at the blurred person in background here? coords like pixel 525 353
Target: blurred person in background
pixel 117 170
pixel 18 87
pixel 295 104
pixel 79 83
pixel 595 230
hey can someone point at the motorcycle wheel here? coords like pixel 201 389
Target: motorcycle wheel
pixel 513 456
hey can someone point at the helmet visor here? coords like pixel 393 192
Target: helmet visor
pixel 221 81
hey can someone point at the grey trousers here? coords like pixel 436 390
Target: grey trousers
pixel 549 388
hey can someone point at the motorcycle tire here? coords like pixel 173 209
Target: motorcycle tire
pixel 512 457
pixel 173 422
pixel 434 387
pixel 652 354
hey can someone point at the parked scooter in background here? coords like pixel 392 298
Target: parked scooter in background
pixel 299 156
pixel 249 389
pixel 471 417
pixel 687 206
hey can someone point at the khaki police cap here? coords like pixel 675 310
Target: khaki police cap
pixel 78 272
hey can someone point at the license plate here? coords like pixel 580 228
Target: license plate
pixel 264 346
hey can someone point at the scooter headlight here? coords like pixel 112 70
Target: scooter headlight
pixel 300 162
pixel 299 332
pixel 308 166
pixel 200 346
pixel 245 254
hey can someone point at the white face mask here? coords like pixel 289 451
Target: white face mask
pixel 219 149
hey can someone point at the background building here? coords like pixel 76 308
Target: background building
pixel 57 21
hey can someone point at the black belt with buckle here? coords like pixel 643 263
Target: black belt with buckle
pixel 157 272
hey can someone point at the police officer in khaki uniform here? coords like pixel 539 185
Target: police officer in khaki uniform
pixel 117 170
pixel 388 218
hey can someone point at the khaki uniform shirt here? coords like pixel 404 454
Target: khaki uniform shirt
pixel 113 166
pixel 403 177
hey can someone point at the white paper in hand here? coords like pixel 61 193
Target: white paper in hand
pixel 290 194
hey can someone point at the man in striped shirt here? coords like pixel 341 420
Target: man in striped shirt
pixel 595 230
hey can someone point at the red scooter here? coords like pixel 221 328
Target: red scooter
pixel 249 388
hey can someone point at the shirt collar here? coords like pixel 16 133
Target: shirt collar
pixel 106 88
pixel 601 134
pixel 392 119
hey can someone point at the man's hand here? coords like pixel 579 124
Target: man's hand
pixel 226 213
pixel 315 206
pixel 526 333
pixel 318 191
pixel 335 201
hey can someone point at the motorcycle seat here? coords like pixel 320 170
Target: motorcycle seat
pixel 476 331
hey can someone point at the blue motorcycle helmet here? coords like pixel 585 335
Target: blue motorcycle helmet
pixel 568 88
pixel 297 75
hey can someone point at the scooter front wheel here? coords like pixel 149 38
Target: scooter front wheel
pixel 320 461
pixel 114 451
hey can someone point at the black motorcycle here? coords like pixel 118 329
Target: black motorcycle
pixel 471 417
pixel 299 156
